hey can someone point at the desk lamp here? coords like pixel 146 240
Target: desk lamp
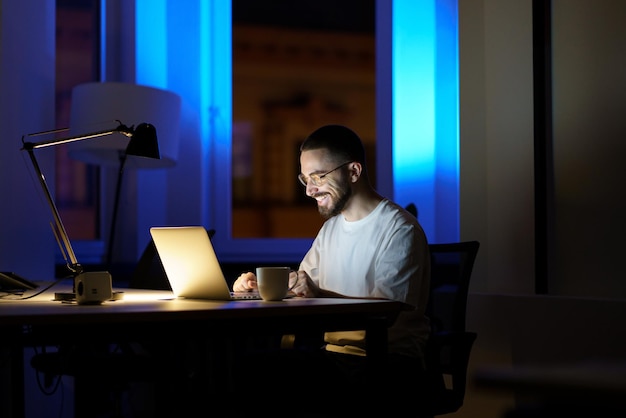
pixel 88 287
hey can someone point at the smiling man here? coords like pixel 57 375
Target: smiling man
pixel 368 247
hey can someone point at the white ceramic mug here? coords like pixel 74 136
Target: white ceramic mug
pixel 273 282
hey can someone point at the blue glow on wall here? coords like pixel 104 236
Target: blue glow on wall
pixel 151 43
pixel 425 113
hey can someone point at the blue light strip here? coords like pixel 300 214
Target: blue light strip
pixel 205 77
pixel 217 113
pixel 425 113
pixel 413 104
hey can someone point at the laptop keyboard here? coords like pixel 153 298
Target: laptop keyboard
pixel 245 295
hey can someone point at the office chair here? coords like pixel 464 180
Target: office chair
pixel 449 346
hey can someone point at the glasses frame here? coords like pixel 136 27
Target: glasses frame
pixel 318 179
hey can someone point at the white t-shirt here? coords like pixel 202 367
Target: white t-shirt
pixel 383 255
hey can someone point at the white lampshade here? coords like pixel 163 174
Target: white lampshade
pixel 99 106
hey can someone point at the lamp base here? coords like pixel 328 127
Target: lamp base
pixel 71 297
pixel 91 288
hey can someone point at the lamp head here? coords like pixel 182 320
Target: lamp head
pixel 143 140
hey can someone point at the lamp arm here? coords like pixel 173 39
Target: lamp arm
pixel 43 144
pixel 121 128
pixel 59 229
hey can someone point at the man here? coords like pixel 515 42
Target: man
pixel 368 247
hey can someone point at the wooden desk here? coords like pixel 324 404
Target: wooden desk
pixel 154 314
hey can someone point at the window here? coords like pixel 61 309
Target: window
pixel 296 66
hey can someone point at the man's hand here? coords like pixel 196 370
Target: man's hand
pixel 301 284
pixel 245 282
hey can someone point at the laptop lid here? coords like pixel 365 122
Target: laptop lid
pixel 190 262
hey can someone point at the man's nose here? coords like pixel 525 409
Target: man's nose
pixel 311 189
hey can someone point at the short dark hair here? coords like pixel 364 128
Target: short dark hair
pixel 342 143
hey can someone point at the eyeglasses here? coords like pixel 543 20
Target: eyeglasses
pixel 318 179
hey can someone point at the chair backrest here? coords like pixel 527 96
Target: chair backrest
pixel 451 270
pixel 450 344
pixel 412 209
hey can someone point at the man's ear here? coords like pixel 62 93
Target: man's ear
pixel 355 169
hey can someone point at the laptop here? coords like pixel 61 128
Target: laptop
pixel 191 265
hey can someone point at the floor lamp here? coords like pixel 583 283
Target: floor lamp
pixel 94 102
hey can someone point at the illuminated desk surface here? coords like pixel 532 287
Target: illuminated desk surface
pixel 156 305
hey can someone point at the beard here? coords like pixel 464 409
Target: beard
pixel 338 202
